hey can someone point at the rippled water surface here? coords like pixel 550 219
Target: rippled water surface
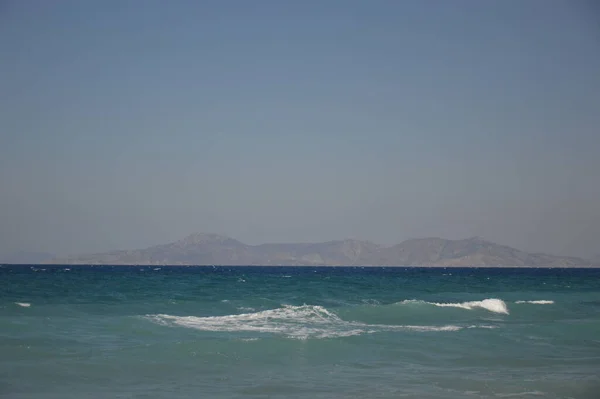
pixel 233 332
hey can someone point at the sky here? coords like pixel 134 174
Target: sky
pixel 130 123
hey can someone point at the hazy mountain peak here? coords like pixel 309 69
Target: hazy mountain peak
pixel 354 241
pixel 204 238
pixel 477 239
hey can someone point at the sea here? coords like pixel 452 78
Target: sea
pixel 87 332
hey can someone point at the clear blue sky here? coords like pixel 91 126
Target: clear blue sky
pixel 125 124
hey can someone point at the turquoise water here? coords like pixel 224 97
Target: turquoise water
pixel 252 332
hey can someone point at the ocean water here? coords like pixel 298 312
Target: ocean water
pixel 289 332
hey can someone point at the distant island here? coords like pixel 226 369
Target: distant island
pixel 213 249
pixel 25 257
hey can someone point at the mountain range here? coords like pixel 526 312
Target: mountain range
pixel 213 249
pixel 25 257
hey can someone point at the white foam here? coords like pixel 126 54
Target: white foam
pixel 432 328
pixel 520 394
pixel 490 304
pixel 483 326
pixel 23 304
pixel 299 322
pixel 538 302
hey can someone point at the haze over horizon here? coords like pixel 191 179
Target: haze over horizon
pixel 125 124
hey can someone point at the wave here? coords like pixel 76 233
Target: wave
pixel 483 326
pixel 491 304
pixel 538 302
pixel 23 304
pixel 520 394
pixel 299 322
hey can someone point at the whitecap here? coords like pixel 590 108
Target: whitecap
pixel 23 304
pixel 487 327
pixel 294 321
pixel 490 304
pixel 298 322
pixel 520 394
pixel 433 328
pixel 537 302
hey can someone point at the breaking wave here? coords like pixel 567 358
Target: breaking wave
pixel 23 304
pixel 299 322
pixel 538 302
pixel 491 304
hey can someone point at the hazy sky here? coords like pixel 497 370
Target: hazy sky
pixel 125 124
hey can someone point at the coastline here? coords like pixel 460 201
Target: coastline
pixel 302 265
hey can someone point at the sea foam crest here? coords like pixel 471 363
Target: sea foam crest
pixel 300 322
pixel 490 304
pixel 23 304
pixel 538 302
